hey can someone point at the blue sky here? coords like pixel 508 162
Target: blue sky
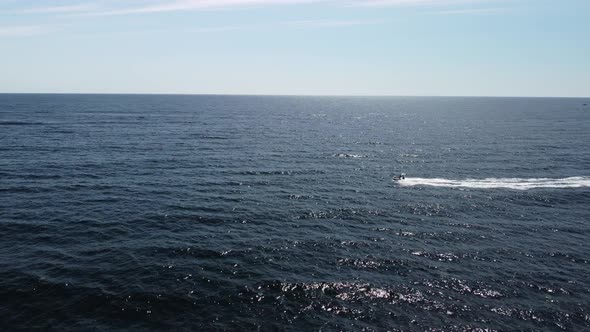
pixel 311 47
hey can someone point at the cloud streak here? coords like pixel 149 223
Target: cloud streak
pixel 191 5
pixel 329 23
pixel 61 9
pixel 399 3
pixel 296 24
pixel 195 5
pixel 24 31
pixel 470 11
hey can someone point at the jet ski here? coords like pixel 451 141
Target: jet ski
pixel 399 177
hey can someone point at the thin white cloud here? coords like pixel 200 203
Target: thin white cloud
pixel 110 8
pixel 186 5
pixel 24 30
pixel 328 23
pixel 296 24
pixel 399 3
pixel 470 11
pixel 224 28
pixel 62 9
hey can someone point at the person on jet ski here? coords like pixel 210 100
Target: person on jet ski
pixel 400 177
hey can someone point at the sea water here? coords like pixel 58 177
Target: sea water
pixel 133 212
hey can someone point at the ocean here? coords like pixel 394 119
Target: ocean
pixel 262 213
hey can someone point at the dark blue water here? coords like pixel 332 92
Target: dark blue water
pixel 280 213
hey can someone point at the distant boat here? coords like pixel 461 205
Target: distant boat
pixel 399 177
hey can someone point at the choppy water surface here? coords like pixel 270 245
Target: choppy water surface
pixel 280 213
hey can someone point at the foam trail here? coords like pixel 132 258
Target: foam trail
pixel 505 183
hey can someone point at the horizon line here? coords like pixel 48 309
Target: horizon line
pixel 285 95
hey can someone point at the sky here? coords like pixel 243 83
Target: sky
pixel 297 47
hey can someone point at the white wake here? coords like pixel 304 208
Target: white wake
pixel 506 183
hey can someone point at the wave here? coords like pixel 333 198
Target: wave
pixel 19 123
pixel 500 183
